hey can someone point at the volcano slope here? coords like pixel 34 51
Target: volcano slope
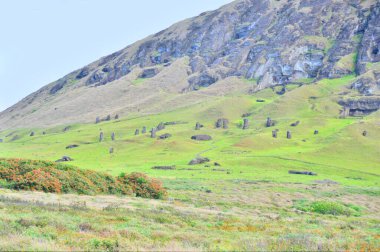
pixel 244 198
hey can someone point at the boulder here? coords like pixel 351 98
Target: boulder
pixel 64 159
pixel 295 124
pixel 199 160
pixel 165 136
pixel 245 124
pixel 303 173
pixel 201 138
pixel 72 146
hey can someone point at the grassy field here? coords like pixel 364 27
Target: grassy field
pixel 250 202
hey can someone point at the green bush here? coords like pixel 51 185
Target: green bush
pixel 328 207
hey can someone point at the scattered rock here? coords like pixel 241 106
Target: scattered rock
pixel 201 138
pixel 289 135
pixel 165 136
pixel 245 124
pixel 199 160
pixel 66 128
pixel 101 137
pixel 64 159
pixel 303 173
pixel 295 124
pixel 172 167
pixel 72 146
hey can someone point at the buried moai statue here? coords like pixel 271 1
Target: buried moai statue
pixel 137 132
pixel 270 122
pixel 160 126
pixel 101 137
pixel 32 133
pixel 222 123
pixel 113 136
pixel 274 133
pixel 365 133
pixel 316 132
pixel 153 133
pixel 143 131
pixel 97 120
pixel 111 150
pixel 108 118
pixel 289 135
pixel 245 124
pixel 116 117
pixel 197 126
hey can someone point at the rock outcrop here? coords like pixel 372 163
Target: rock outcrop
pixel 360 107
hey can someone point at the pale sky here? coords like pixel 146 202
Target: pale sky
pixel 43 40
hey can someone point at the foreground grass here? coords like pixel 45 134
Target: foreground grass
pixel 228 215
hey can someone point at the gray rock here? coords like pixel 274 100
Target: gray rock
pixel 64 159
pixel 199 160
pixel 303 173
pixel 201 138
pixel 165 136
pixel 72 146
pixel 359 107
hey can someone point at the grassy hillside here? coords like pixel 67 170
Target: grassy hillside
pixel 249 202
pixel 338 152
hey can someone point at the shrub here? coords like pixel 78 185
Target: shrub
pixel 143 186
pixel 51 177
pixel 328 207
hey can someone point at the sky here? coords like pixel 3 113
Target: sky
pixel 43 40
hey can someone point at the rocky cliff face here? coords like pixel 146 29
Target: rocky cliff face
pixel 272 42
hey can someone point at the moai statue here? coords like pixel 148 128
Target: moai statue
pixel 160 126
pixel 153 133
pixel 219 123
pixel 137 131
pixel 97 120
pixel 225 123
pixel 143 131
pixel 101 137
pixel 269 122
pixel 245 124
pixel 288 135
pixel 116 117
pixel 274 133
pixel 32 133
pixel 108 118
pixel 113 136
pixel 316 132
pixel 111 150
pixel 365 133
pixel 197 126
